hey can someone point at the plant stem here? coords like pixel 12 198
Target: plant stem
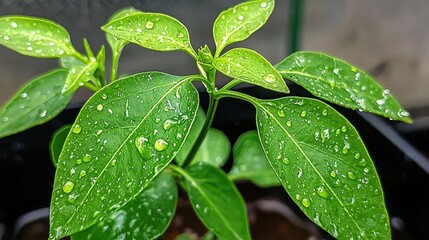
pixel 114 69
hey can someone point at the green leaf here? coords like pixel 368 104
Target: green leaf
pixel 119 144
pixel 216 201
pixel 36 37
pixel 239 22
pixel 78 76
pixel 147 216
pixel 196 128
pixel 323 164
pixel 37 102
pixel 69 62
pixel 248 66
pixel 339 82
pixel 154 31
pixel 57 143
pixel 214 149
pixel 250 162
pixel 115 43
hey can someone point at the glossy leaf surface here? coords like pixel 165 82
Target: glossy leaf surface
pixel 79 75
pixel 57 143
pixel 154 31
pixel 214 149
pixel 324 166
pixel 250 162
pixel 239 22
pixel 117 145
pixel 35 103
pixel 36 37
pixel 339 82
pixel 248 66
pixel 117 44
pixel 145 217
pixel 196 128
pixel 69 62
pixel 217 201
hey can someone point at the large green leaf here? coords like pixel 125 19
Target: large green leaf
pixel 248 66
pixel 250 162
pixel 147 216
pixel 216 201
pixel 35 103
pixel 339 82
pixel 239 22
pixel 117 44
pixel 190 140
pixel 57 143
pixel 36 37
pixel 79 75
pixel 154 31
pixel 117 145
pixel 214 149
pixel 324 166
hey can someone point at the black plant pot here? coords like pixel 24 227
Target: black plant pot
pixel 26 173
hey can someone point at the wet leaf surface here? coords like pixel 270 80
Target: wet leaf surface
pixel 57 143
pixel 250 162
pixel 79 75
pixel 117 44
pixel 323 165
pixel 214 149
pixel 117 145
pixel 145 217
pixel 37 102
pixel 35 37
pixel 339 82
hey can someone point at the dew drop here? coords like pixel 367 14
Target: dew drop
pixel 324 112
pixel 169 124
pixel 6 38
pixel 362 163
pixel 79 161
pixel 180 35
pixel 281 113
pixel 298 197
pixel 104 96
pixel 43 114
pixel 149 25
pixel 336 71
pixel 303 113
pixel 240 18
pixel 345 150
pixel 100 107
pixel 357 155
pixel 30 48
pixel 82 173
pixel 305 202
pixel 113 162
pixel 160 145
pixel 288 123
pixel 263 5
pixel 366 170
pixel 68 186
pixel 86 158
pixel 351 175
pixel 14 24
pixel 286 161
pixel 76 128
pixel 333 174
pixel 24 95
pixel 270 78
pixel 60 52
pixel 142 145
pixel 343 129
pixel 322 192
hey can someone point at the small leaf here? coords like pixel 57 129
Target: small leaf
pixel 324 166
pixel 214 149
pixel 69 62
pixel 37 102
pixel 196 128
pixel 154 31
pixel 217 201
pixel 248 66
pixel 36 37
pixel 250 162
pixel 147 216
pixel 78 76
pixel 115 43
pixel 339 82
pixel 239 22
pixel 118 137
pixel 57 143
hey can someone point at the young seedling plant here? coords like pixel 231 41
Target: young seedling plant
pixel 138 138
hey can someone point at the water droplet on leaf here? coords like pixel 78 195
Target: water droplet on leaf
pixel 100 107
pixel 104 96
pixel 351 175
pixel 76 128
pixel 68 186
pixel 303 113
pixel 288 123
pixel 149 25
pixel 160 145
pixel 82 173
pixel 281 113
pixel 86 158
pixel 142 145
pixel 322 192
pixel 270 78
pixel 305 202
pixel 263 5
pixel 169 124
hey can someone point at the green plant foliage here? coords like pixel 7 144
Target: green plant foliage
pixel 154 31
pixel 115 43
pixel 125 143
pixel 248 66
pixel 146 216
pixel 35 103
pixel 35 37
pixel 324 166
pixel 250 162
pixel 214 149
pixel 239 22
pixel 79 75
pixel 337 81
pixel 217 201
pixel 57 143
